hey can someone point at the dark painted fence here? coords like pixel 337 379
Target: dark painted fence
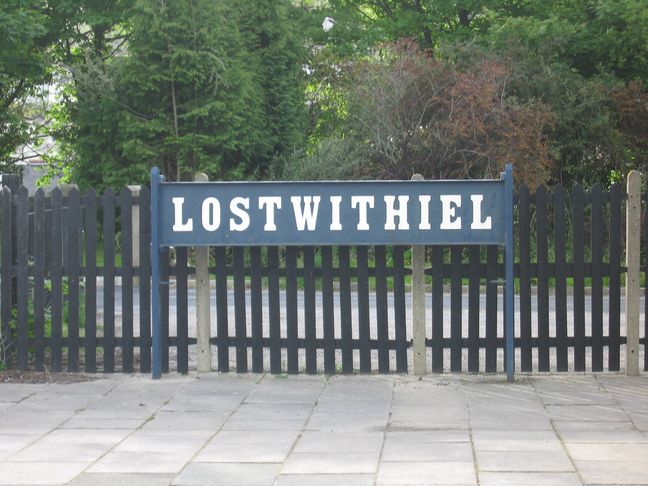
pixel 72 299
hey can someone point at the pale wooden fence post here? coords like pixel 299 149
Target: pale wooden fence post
pixel 418 304
pixel 633 236
pixel 135 220
pixel 203 308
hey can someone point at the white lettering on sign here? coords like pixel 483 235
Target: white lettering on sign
pixel 362 203
pixel 391 213
pixel 425 212
pixel 306 213
pixel 238 207
pixel 448 205
pixel 211 211
pixel 335 213
pixel 238 214
pixel 270 203
pixel 178 225
pixel 477 223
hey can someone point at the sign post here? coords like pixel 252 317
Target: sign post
pixel 509 286
pixel 156 180
pixel 451 212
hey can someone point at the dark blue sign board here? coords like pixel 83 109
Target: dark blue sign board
pixel 332 213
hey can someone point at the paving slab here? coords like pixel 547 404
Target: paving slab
pixel 528 479
pixel 90 479
pixel 613 472
pixel 591 413
pixel 577 431
pixel 164 441
pixel 608 452
pixel 426 473
pixel 518 420
pixel 406 435
pixel 10 444
pixel 394 451
pixel 18 422
pixel 317 441
pixel 244 453
pixel 165 419
pixel 142 462
pixel 19 473
pixel 57 452
pixel 214 474
pixel 324 480
pixel 527 461
pixel 331 462
pixel 255 447
pixel 516 440
pixel 14 393
pixel 82 422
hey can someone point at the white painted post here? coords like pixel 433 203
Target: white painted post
pixel 633 235
pixel 418 304
pixel 135 217
pixel 203 307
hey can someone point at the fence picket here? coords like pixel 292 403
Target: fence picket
pixel 400 315
pixel 327 310
pixel 381 308
pixel 309 309
pixel 90 279
pixel 614 311
pixel 543 278
pixel 73 263
pixel 6 272
pixel 364 329
pixel 182 311
pixel 524 235
pixel 346 323
pixel 222 324
pixel 456 289
pixel 437 309
pixel 126 246
pixel 645 266
pixel 473 308
pixel 40 238
pixel 145 280
pixel 291 309
pixel 492 255
pixel 164 304
pixel 240 318
pixel 597 277
pixel 256 283
pixel 275 310
pixel 56 274
pixel 578 244
pixel 22 272
pixel 561 283
pixel 109 280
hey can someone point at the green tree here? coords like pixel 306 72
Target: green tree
pixel 275 53
pixel 583 60
pixel 178 99
pixel 202 86
pixel 24 38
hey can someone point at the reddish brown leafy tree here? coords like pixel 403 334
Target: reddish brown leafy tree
pixel 422 115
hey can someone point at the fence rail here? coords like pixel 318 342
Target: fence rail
pixel 73 297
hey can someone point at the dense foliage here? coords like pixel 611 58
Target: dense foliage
pixel 316 89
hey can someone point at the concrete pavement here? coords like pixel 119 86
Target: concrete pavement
pixel 312 430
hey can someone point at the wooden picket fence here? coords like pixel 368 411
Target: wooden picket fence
pixel 72 298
